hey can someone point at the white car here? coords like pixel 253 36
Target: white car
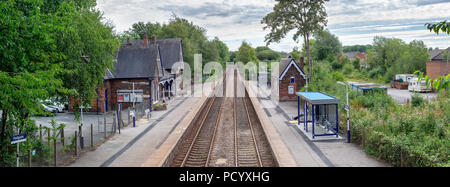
pixel 53 107
pixel 414 86
pixel 49 109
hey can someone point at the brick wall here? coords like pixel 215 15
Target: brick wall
pixel 436 69
pixel 112 86
pixel 284 85
pixel 118 85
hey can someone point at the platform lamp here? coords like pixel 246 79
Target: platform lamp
pixel 347 108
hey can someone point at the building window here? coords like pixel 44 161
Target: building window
pixel 292 80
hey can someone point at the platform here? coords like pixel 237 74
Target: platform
pixel 320 130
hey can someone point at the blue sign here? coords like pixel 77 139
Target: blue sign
pixel 347 107
pixel 18 138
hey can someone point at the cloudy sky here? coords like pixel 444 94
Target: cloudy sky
pixel 234 21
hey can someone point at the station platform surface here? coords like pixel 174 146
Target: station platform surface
pixel 307 153
pixel 133 146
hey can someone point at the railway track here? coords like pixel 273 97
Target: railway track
pixel 204 144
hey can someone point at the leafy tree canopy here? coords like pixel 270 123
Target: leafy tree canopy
pixel 246 54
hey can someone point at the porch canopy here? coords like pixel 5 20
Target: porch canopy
pixel 324 113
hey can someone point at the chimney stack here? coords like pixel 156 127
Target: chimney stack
pixel 153 39
pixel 145 40
pixel 128 41
pixel 301 62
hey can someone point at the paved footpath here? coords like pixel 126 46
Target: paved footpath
pixel 134 145
pixel 316 154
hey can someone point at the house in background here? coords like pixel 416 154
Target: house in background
pixel 356 54
pixel 154 66
pixel 437 66
pixel 291 79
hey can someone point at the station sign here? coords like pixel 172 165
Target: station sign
pixel 18 138
pixel 347 107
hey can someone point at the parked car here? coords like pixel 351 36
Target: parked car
pixel 415 86
pixel 49 108
pixel 53 107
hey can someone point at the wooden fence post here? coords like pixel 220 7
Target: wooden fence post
pixel 92 135
pixel 104 122
pixel 54 152
pixel 29 158
pixel 76 143
pixel 63 140
pixel 40 132
pixel 48 137
pixel 114 121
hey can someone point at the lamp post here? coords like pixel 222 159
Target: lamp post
pixel 347 108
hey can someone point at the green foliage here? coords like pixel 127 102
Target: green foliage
pixel 439 83
pixel 326 44
pixel 246 54
pixel 401 135
pixel 139 29
pixel 360 48
pixel 348 69
pixel 336 65
pixel 310 17
pixel 404 135
pixel 51 48
pixel 193 37
pixel 267 55
pixel 391 56
pixel 443 26
pixel 356 63
pixel 417 100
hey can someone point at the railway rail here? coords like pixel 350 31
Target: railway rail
pixel 204 145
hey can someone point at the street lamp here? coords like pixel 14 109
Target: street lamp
pixel 347 108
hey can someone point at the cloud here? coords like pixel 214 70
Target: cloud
pixel 430 2
pixel 233 21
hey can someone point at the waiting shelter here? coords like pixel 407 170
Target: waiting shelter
pixel 321 111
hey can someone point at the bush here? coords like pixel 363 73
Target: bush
pixel 374 73
pixel 337 76
pixel 356 63
pixel 336 65
pixel 348 69
pixel 417 100
pixel 403 135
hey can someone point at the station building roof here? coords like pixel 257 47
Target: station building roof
pixel 318 98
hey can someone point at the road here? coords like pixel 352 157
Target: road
pixel 402 96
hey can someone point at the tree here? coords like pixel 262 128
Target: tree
pixel 304 16
pixel 246 53
pixel 296 54
pixel 262 48
pixel 222 48
pixel 326 44
pixel 55 48
pixel 193 37
pixel 356 63
pixel 210 52
pixel 233 55
pixel 359 48
pixel 139 29
pixel 264 53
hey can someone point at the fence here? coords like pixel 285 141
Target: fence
pixel 75 138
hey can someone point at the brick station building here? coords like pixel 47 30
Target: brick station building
pixel 437 66
pixel 154 66
pixel 291 79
